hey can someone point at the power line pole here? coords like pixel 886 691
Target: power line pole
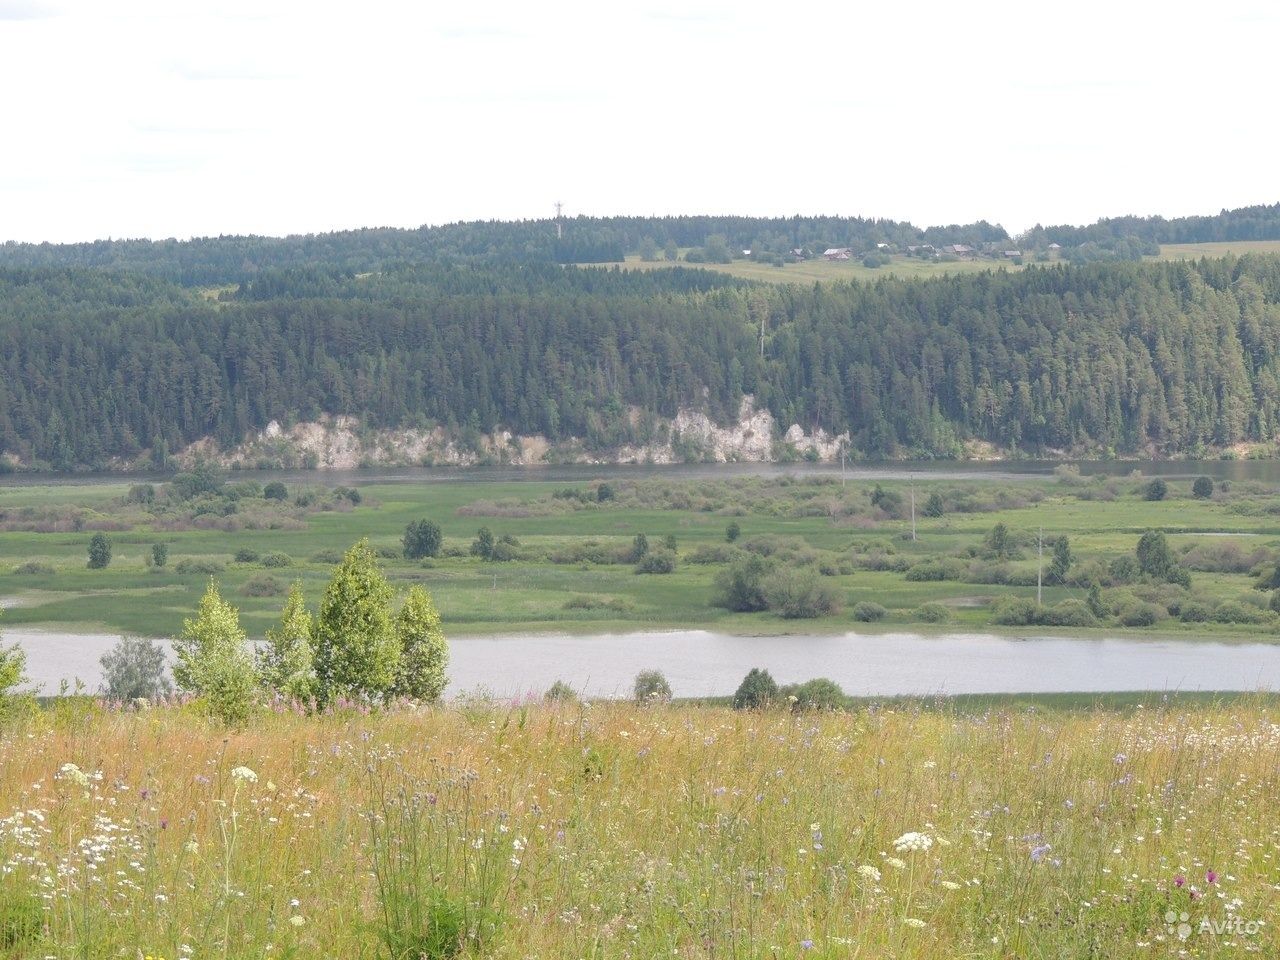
pixel 559 230
pixel 843 481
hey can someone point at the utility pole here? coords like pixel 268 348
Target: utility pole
pixel 913 505
pixel 843 481
pixel 1039 564
pixel 559 228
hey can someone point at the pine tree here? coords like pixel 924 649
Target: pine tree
pixel 424 652
pixel 1062 558
pixel 356 651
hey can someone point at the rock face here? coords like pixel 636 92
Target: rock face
pixel 339 443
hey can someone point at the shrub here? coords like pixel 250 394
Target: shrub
pixel 422 538
pixel 1233 611
pixel 740 587
pixel 617 604
pixel 639 547
pixel 1202 489
pixel 943 568
pixel 657 561
pixel 245 555
pixel 99 551
pixel 1123 569
pixel 34 568
pixel 275 490
pixel 190 565
pixel 1014 612
pixel 932 613
pixel 560 692
pixel 816 694
pixel 797 594
pixel 867 612
pixel 758 689
pixel 262 585
pixel 707 553
pixel 1195 612
pixel 13 665
pixel 732 531
pixel 651 687
pixel 934 506
pixel 1068 613
pixel 1140 614
pixel 1157 489
pixel 327 556
pixel 134 669
pixel 159 554
pixel 277 560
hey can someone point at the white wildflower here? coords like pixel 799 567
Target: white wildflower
pixel 244 774
pixel 912 842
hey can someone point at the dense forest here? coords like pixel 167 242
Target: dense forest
pixel 1171 357
pixel 228 260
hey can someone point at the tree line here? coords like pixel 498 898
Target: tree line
pixel 1125 357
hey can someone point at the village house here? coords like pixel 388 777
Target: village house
pixel 837 253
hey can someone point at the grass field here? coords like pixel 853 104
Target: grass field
pixel 1193 251
pixel 568 572
pixel 612 831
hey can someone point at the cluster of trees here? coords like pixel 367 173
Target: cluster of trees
pixel 355 649
pixel 232 259
pixel 1121 356
pixel 1131 237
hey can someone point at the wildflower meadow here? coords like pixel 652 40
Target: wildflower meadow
pixel 576 830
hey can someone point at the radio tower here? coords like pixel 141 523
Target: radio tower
pixel 559 226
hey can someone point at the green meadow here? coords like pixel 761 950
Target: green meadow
pixel 571 566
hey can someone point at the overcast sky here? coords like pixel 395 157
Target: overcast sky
pixel 197 117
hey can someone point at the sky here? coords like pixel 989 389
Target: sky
pixel 179 118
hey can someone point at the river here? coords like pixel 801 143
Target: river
pixel 700 663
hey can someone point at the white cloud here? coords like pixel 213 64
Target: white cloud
pixel 143 117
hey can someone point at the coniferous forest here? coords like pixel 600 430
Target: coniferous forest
pixel 1167 358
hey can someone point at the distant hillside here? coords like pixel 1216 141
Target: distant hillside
pixel 220 261
pixel 101 368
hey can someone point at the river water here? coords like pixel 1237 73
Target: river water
pixel 701 663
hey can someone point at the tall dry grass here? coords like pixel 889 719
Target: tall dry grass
pixel 616 831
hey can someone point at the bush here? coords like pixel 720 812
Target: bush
pixel 817 694
pixel 134 669
pixel 327 556
pixel 1123 569
pixel 1140 614
pixel 616 604
pixel 99 551
pixel 245 555
pixel 740 588
pixel 560 692
pixel 1068 613
pixel 944 568
pixel 932 613
pixel 757 690
pixel 1015 612
pixel 34 568
pixel 424 652
pixel 1157 489
pixel 275 490
pixel 651 687
pixel 1195 612
pixel 797 595
pixel 422 538
pixel 277 560
pixel 1202 489
pixel 657 561
pixel 190 565
pixel 262 585
pixel 866 612
pixel 1233 611
pixel 732 531
pixel 159 554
